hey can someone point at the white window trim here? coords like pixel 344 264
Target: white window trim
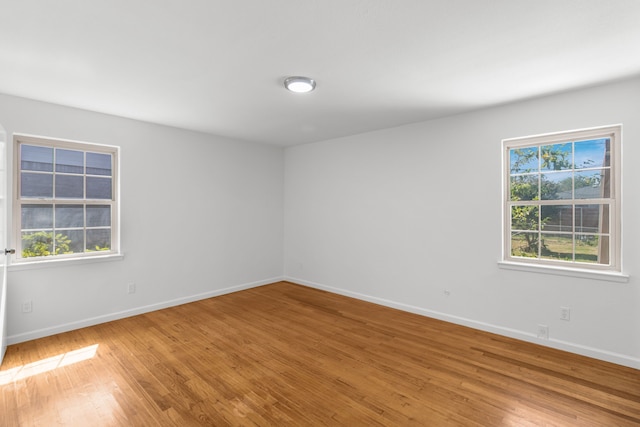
pixel 19 263
pixel 608 276
pixel 27 264
pixel 612 272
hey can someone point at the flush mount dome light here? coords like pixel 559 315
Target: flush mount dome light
pixel 299 84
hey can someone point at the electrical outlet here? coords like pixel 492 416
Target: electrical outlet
pixel 27 306
pixel 131 288
pixel 565 313
pixel 543 332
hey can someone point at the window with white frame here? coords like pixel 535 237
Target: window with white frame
pixel 66 201
pixel 562 199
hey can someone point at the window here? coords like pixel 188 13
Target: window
pixel 562 199
pixel 66 199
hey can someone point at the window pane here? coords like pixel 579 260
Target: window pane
pixel 589 184
pixel 523 160
pixel 524 244
pixel 556 186
pixel 592 219
pixel 69 186
pixel 557 246
pixel 524 217
pixel 557 218
pixel 98 240
pixel 98 216
pixel 69 241
pixel 524 187
pixel 592 249
pixel 593 154
pixel 36 185
pixel 35 158
pixel 36 217
pixel 556 157
pixel 68 216
pixel 69 161
pixel 38 243
pixel 98 188
pixel 98 164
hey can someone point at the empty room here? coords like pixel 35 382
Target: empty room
pixel 307 213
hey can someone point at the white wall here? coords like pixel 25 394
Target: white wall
pixel 402 215
pixel 200 216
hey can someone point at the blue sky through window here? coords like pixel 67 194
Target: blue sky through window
pixel 588 154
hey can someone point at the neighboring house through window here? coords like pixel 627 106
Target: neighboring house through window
pixel 562 199
pixel 66 199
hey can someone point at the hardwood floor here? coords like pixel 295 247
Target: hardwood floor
pixel 283 354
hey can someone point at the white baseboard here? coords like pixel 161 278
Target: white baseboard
pixel 66 327
pixel 594 353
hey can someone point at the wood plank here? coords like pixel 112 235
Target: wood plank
pixel 284 354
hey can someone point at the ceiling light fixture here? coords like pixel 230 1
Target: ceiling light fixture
pixel 299 84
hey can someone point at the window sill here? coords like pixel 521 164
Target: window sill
pixel 31 265
pixel 608 276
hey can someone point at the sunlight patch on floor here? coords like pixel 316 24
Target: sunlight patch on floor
pixel 48 364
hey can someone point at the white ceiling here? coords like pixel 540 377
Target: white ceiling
pixel 218 66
